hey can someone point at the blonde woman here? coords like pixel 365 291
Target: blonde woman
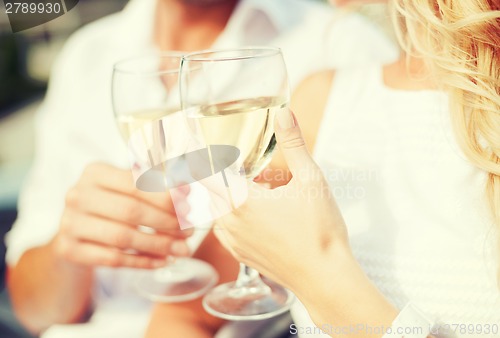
pixel 391 228
pixel 411 154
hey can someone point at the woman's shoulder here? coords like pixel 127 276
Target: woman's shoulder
pixel 320 80
pixel 312 92
pixel 320 84
pixel 309 101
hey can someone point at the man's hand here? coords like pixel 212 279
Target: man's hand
pixel 101 223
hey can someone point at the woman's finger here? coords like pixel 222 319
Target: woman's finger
pixel 293 146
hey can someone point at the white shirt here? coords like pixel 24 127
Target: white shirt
pixel 415 207
pixel 75 125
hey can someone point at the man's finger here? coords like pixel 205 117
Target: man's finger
pixel 123 208
pixel 92 254
pixel 112 234
pixel 121 181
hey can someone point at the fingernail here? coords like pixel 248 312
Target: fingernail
pixel 179 248
pixel 285 118
pixel 187 232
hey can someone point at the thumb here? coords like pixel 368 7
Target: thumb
pixel 293 146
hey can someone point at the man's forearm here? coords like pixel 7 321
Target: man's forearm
pixel 189 319
pixel 179 321
pixel 45 290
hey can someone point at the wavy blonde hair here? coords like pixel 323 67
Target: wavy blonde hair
pixel 460 40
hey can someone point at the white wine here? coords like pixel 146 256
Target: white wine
pixel 157 134
pixel 130 123
pixel 246 124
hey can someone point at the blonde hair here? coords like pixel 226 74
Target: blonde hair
pixel 460 40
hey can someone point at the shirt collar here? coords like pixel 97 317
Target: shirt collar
pixel 273 9
pixel 137 22
pixel 138 19
pixel 256 22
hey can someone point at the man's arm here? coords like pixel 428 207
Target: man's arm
pixel 51 283
pixel 45 290
pixel 189 319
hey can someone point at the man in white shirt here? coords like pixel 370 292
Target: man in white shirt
pixel 67 252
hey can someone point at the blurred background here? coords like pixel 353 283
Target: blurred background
pixel 25 62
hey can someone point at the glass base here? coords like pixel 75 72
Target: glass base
pixel 232 302
pixel 183 280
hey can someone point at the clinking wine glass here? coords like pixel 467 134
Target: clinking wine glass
pixel 146 106
pixel 230 98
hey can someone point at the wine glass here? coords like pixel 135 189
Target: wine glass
pixel 146 106
pixel 230 98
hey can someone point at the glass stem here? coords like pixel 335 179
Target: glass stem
pixel 249 277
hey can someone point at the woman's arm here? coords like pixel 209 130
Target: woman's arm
pixel 310 248
pixel 339 295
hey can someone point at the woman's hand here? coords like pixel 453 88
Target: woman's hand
pixel 101 218
pixel 296 236
pixel 286 231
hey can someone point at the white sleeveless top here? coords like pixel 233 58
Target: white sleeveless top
pixel 415 208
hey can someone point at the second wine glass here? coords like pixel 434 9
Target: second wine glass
pixel 230 98
pixel 146 104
